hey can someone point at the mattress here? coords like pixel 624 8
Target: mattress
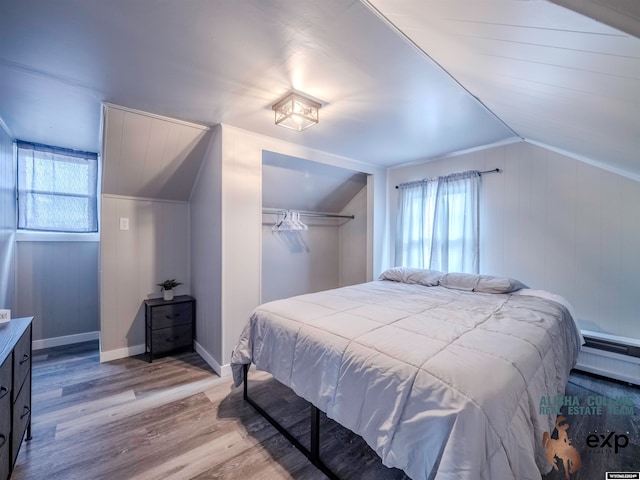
pixel 441 383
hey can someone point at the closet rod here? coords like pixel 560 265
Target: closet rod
pixel 275 211
pixel 495 170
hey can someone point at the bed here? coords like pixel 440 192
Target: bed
pixel 442 375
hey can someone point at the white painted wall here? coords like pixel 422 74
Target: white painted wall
pixel 156 247
pixel 352 239
pixel 240 227
pixel 299 262
pixel 57 284
pixel 7 220
pixel 555 223
pixel 206 252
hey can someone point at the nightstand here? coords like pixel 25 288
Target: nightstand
pixel 169 325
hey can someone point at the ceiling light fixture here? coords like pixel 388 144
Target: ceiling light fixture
pixel 296 112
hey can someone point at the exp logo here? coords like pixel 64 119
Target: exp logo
pixel 607 440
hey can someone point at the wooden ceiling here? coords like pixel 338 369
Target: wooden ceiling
pixel 399 80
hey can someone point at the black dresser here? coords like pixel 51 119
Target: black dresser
pixel 15 390
pixel 169 325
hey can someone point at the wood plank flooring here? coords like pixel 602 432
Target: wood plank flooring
pixel 175 419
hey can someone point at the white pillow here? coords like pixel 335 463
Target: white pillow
pixel 420 276
pixel 480 283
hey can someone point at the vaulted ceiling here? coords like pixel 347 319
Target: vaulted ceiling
pixel 399 80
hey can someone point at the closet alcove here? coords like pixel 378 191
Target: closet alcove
pixel 331 251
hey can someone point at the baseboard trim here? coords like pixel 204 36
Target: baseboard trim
pixel 64 340
pixel 221 370
pixel 121 353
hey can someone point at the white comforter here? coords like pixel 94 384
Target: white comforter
pixel 441 383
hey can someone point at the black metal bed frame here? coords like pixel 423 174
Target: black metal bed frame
pixel 313 453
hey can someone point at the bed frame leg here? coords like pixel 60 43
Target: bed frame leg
pixel 245 370
pixel 313 453
pixel 315 434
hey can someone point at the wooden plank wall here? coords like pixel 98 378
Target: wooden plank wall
pixel 57 284
pixel 133 261
pixel 7 220
pixel 555 223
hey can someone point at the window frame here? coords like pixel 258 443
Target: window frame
pixel 33 235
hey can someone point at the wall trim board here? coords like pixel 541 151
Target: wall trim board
pixel 62 237
pixel 5 127
pixel 276 145
pixel 156 116
pixel 222 371
pixel 612 338
pixel 480 148
pixel 144 199
pixel 121 353
pixel 65 340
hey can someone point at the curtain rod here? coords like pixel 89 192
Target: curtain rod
pixel 495 170
pixel 275 211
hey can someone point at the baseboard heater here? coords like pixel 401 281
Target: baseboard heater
pixel 610 356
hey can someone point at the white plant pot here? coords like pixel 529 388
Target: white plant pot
pixel 167 294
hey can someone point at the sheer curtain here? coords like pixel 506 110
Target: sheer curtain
pixel 57 189
pixel 438 225
pixel 416 205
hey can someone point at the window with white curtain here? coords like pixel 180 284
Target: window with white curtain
pixel 57 189
pixel 438 226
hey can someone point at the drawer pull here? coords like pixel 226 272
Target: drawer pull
pixel 3 391
pixel 173 339
pixel 25 358
pixel 25 411
pixel 3 440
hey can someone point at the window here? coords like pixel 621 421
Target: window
pixel 438 223
pixel 57 189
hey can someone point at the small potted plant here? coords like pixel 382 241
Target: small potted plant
pixel 167 288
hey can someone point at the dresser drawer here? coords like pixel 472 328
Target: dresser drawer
pixel 5 410
pixel 5 459
pixel 5 380
pixel 21 360
pixel 167 339
pixel 5 420
pixel 21 417
pixel 169 315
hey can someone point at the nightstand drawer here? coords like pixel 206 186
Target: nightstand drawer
pixel 171 338
pixel 170 315
pixel 21 360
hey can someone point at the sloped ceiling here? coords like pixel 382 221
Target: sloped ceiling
pixel 213 61
pixel 538 70
pixel 149 156
pixel 297 184
pixel 555 77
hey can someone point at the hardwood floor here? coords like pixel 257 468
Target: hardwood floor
pixel 172 419
pixel 175 419
pixel 602 456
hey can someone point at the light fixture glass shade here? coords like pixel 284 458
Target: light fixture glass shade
pixel 296 112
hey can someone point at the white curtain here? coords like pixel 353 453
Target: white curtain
pixel 57 189
pixel 438 225
pixel 416 206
